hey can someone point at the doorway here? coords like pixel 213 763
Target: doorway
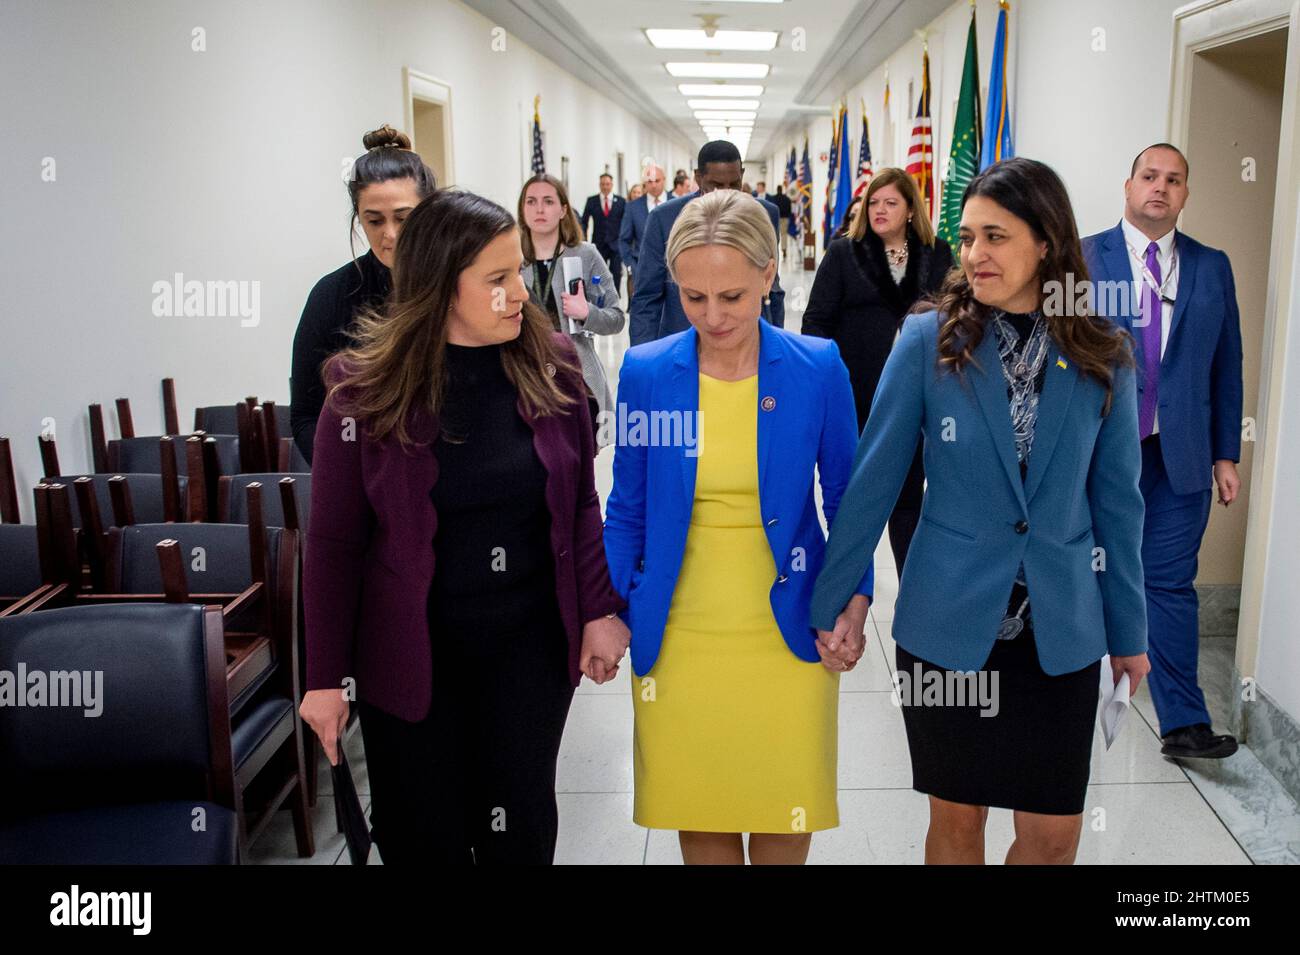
pixel 1232 147
pixel 428 119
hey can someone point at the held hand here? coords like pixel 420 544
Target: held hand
pixel 1136 667
pixel 604 643
pixel 841 648
pixel 576 307
pixel 326 712
pixel 1227 481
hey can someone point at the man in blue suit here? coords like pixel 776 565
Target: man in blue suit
pixel 1183 315
pixel 656 307
pixel 632 232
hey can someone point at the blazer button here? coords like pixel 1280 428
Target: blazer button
pixel 771 522
pixel 782 579
pixel 1022 527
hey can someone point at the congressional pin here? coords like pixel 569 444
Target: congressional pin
pixel 769 403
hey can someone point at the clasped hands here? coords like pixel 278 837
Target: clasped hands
pixel 842 648
pixel 604 642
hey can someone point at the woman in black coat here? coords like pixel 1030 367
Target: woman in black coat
pixel 387 181
pixel 867 283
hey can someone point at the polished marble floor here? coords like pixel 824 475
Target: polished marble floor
pixel 1141 807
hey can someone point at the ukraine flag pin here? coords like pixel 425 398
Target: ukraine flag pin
pixel 1060 363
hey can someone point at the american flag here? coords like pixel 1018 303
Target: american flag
pixel 539 160
pixel 864 160
pixel 920 154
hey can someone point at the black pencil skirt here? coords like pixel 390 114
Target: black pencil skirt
pixel 1033 751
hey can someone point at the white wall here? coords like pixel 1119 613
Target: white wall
pixel 1077 110
pixel 226 165
pixel 1278 662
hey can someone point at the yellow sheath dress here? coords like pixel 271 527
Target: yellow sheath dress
pixel 734 733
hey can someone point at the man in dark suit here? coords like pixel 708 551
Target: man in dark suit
pixel 1182 313
pixel 634 218
pixel 784 210
pixel 656 307
pixel 606 210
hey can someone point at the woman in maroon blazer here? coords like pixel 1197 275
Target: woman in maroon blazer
pixel 455 578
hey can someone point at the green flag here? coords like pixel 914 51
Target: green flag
pixel 964 160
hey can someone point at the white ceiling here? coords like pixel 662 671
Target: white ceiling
pixel 617 26
pixel 602 43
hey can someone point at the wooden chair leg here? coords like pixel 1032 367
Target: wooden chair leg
pixel 98 440
pixel 171 421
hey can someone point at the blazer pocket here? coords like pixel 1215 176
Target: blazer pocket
pixel 961 535
pixel 1075 538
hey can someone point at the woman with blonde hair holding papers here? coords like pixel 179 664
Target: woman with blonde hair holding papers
pixel 713 538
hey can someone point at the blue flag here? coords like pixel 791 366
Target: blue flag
pixel 997 130
pixel 843 175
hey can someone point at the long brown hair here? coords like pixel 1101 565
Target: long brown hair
pixel 1034 193
pixel 901 180
pixel 397 365
pixel 570 231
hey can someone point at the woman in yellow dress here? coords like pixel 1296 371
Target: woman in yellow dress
pixel 712 536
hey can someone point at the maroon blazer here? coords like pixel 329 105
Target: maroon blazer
pixel 370 562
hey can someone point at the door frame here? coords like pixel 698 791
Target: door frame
pixel 1200 26
pixel 430 89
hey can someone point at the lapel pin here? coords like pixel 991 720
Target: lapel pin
pixel 769 403
pixel 1060 363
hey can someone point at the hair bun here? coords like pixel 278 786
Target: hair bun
pixel 385 135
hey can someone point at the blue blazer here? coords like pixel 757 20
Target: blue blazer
pixel 811 423
pixel 1200 373
pixel 979 521
pixel 632 231
pixel 656 307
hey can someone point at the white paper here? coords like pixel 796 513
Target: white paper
pixel 572 267
pixel 1115 702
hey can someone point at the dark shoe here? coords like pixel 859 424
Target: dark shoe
pixel 1197 742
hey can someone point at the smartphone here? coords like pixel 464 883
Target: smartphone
pixel 573 286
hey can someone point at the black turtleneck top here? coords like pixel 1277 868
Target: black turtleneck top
pixel 493 537
pixel 323 330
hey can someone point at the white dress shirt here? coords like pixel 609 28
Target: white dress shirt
pixel 1137 256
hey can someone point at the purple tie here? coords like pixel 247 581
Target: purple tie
pixel 1150 346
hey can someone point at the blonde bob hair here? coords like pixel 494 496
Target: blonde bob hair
pixel 723 217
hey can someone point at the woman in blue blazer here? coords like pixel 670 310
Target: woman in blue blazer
pixel 1029 421
pixel 712 536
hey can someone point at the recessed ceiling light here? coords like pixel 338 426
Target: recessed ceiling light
pixel 725 114
pixel 740 71
pixel 719 89
pixel 722 103
pixel 720 40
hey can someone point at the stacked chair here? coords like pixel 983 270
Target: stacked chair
pixel 139 555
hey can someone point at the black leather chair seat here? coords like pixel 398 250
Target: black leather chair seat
pixel 160 833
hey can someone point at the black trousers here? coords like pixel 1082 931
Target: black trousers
pixel 474 782
pixel 615 263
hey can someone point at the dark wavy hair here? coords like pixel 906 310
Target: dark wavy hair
pixel 1033 192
